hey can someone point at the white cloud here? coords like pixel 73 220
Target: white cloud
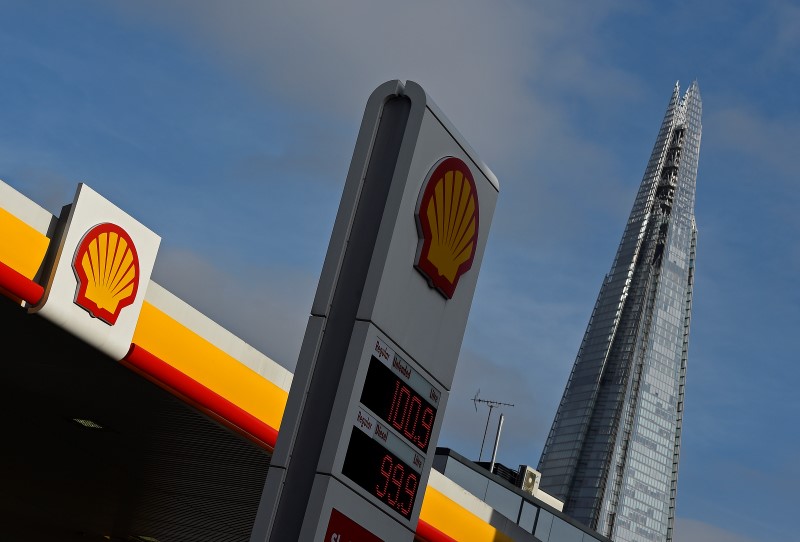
pixel 744 130
pixel 479 60
pixel 775 35
pixel 526 423
pixel 692 530
pixel 511 76
pixel 266 307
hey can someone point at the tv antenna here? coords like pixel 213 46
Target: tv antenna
pixel 492 405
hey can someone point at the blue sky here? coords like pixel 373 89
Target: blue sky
pixel 228 128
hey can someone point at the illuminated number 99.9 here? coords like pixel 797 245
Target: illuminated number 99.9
pixel 404 487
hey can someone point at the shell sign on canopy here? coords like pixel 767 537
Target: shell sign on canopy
pixel 447 223
pixel 100 272
pixel 107 268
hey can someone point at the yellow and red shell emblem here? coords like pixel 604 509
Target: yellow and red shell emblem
pixel 447 223
pixel 107 268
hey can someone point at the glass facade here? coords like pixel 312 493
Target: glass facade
pixel 613 449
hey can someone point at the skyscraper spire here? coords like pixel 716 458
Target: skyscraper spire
pixel 613 449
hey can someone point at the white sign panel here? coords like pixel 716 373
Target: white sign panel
pixel 100 274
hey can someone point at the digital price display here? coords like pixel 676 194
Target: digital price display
pixel 396 398
pixel 381 472
pixel 392 429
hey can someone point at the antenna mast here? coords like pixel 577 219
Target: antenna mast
pixel 491 404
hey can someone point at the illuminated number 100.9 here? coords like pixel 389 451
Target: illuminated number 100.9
pixel 408 414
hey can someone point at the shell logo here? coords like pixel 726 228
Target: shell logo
pixel 107 268
pixel 447 224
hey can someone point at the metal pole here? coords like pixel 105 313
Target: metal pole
pixel 496 443
pixel 485 430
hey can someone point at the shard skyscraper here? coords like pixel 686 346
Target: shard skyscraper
pixel 613 449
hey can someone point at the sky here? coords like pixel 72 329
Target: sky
pixel 228 127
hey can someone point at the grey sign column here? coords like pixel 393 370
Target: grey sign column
pixel 367 401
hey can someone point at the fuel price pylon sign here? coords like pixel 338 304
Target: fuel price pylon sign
pixel 367 401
